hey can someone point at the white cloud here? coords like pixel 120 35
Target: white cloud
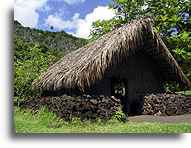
pixel 58 23
pixel 99 13
pixel 71 2
pixel 81 26
pixel 25 11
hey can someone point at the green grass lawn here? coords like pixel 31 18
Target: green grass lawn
pixel 187 93
pixel 46 122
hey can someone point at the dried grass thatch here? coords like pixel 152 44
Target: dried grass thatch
pixel 83 67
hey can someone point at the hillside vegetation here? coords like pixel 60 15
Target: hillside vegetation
pixel 59 41
pixel 34 51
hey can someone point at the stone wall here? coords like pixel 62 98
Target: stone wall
pixel 88 107
pixel 83 107
pixel 167 104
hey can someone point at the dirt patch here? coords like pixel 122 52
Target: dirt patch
pixel 162 119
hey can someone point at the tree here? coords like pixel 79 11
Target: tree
pixel 167 14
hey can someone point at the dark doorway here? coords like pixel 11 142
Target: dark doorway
pixel 119 89
pixel 136 105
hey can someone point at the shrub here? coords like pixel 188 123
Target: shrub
pixel 29 61
pixel 120 116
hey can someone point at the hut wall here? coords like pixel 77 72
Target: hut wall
pixel 142 76
pixel 101 87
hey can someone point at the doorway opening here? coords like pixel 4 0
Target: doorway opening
pixel 136 106
pixel 119 89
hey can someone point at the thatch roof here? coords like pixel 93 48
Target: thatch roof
pixel 82 68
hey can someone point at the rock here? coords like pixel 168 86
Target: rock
pixel 166 104
pixel 84 107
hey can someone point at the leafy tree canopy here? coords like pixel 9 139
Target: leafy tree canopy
pixel 167 14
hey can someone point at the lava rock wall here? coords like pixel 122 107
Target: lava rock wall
pixel 84 107
pixel 167 104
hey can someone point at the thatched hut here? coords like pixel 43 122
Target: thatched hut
pixel 130 61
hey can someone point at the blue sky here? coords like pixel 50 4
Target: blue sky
pixel 72 16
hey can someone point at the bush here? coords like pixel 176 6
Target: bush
pixel 29 61
pixel 120 116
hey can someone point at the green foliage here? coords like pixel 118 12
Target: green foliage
pixel 59 41
pixel 29 61
pixel 27 120
pixel 172 87
pixel 99 28
pixel 166 14
pixel 120 116
pixel 186 93
pixel 181 49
